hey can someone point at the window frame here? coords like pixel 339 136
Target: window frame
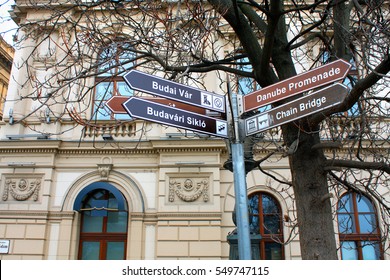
pixel 103 236
pixel 357 236
pixel 111 75
pixel 268 238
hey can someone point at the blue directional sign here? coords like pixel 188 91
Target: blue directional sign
pixel 159 113
pixel 144 82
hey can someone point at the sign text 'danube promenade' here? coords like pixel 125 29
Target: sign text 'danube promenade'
pixel 317 77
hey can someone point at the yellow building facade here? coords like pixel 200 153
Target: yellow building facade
pixel 6 57
pixel 138 190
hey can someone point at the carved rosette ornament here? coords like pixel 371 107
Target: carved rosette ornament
pixel 188 190
pixel 21 189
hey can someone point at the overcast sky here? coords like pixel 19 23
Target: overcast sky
pixel 7 25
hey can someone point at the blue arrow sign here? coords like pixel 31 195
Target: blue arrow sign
pixel 141 81
pixel 155 112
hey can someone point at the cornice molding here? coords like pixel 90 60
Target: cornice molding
pixel 28 214
pixel 191 149
pixel 69 148
pixel 28 150
pixel 193 215
pixel 176 216
pixel 134 216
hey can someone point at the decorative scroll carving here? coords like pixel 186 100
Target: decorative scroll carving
pixel 21 189
pixel 188 190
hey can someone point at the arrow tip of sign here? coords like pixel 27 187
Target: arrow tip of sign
pixel 346 63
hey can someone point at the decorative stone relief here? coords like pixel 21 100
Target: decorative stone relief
pixel 104 170
pixel 105 167
pixel 21 188
pixel 189 189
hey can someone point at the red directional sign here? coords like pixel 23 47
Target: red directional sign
pixel 151 111
pixel 114 104
pixel 317 77
pixel 174 91
pixel 296 109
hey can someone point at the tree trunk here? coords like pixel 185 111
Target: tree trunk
pixel 315 220
pixel 312 198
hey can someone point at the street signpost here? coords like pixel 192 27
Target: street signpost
pixel 144 82
pixel 306 81
pixel 151 111
pixel 115 104
pixel 296 109
pixel 156 110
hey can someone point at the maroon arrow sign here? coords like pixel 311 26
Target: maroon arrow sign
pixel 151 111
pixel 114 104
pixel 296 109
pixel 317 77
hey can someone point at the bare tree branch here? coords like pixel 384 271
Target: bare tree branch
pixel 358 165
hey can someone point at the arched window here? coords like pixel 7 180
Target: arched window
pixel 266 218
pixel 114 60
pixel 358 228
pixel 103 231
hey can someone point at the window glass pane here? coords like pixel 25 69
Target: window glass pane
pixel 100 206
pixel 349 250
pixel 345 204
pixel 349 81
pixel 117 222
pixel 367 223
pixel 364 204
pixel 346 223
pixel 325 56
pixel 108 60
pixel 254 214
pixel 246 85
pixel 112 202
pixel 115 251
pixel 254 204
pixel 90 250
pixel 358 231
pixel 114 61
pixel 101 111
pixel 92 223
pixel 273 251
pixel 264 108
pixel 104 91
pixel 122 117
pixel 254 224
pixel 124 89
pixel 269 205
pixel 271 224
pixel 116 58
pixel 126 60
pixel 370 251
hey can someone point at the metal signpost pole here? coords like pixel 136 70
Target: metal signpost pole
pixel 241 197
